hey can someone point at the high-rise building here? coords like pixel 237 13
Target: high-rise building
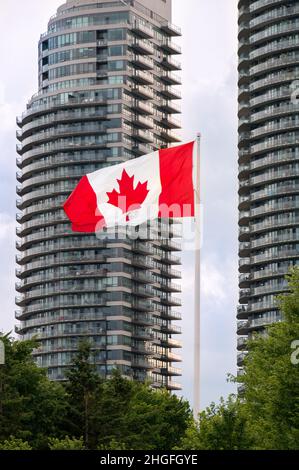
pixel 268 159
pixel 106 94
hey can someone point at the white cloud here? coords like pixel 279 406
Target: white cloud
pixel 7 227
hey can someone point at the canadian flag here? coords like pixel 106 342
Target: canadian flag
pixel 160 184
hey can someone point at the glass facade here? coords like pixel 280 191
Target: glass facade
pixel 268 159
pixel 105 96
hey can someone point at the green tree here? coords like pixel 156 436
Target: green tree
pixel 271 379
pixel 32 408
pixel 84 385
pixel 66 444
pixel 15 444
pixel 267 414
pixel 137 417
pixel 219 427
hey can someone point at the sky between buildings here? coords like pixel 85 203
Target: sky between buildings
pixel 209 106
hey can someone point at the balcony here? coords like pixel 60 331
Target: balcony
pixel 169 137
pixel 143 319
pixel 170 48
pixel 242 310
pixel 244 265
pixel 144 291
pixel 142 122
pixel 242 343
pixel 171 245
pixel 244 217
pixel 169 107
pixel 142 30
pixel 141 149
pixel 143 136
pixel 170 314
pixel 143 277
pixel 172 357
pixel 142 77
pixel 142 62
pixel 171 273
pixel 244 248
pixel 142 107
pixel 173 385
pixel 240 358
pixel 142 92
pixel 242 328
pixel 171 259
pixel 244 280
pixel 171 29
pixel 170 64
pixel 171 371
pixel 171 301
pixel 170 93
pixel 143 305
pixel 142 47
pixel 169 122
pixel 170 328
pixel 170 78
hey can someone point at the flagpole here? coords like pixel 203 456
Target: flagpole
pixel 196 407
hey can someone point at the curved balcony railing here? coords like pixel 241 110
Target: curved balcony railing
pixel 56 147
pixel 272 112
pixel 273 47
pixel 41 222
pixel 272 224
pixel 281 157
pixel 269 81
pixel 49 276
pixel 278 191
pixel 270 96
pixel 273 176
pixel 60 104
pixel 273 240
pixel 42 207
pixel 61 245
pixel 50 176
pixel 262 322
pixel 271 32
pixel 269 273
pixel 279 141
pixel 276 207
pixel 282 254
pixel 270 289
pixel 53 293
pixel 276 14
pixel 47 191
pixel 255 6
pixel 273 63
pixel 285 124
pixel 60 117
pixel 52 305
pixel 62 259
pixel 55 133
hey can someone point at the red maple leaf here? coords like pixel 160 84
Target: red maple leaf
pixel 128 198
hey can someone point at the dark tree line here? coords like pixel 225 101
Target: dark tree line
pixel 90 413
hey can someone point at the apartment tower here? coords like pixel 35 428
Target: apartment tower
pixel 268 159
pixel 107 93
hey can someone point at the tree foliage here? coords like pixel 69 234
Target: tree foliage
pixel 219 427
pixel 120 414
pixel 267 415
pixel 66 444
pixel 123 414
pixel 31 407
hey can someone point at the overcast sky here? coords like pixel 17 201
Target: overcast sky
pixel 209 106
